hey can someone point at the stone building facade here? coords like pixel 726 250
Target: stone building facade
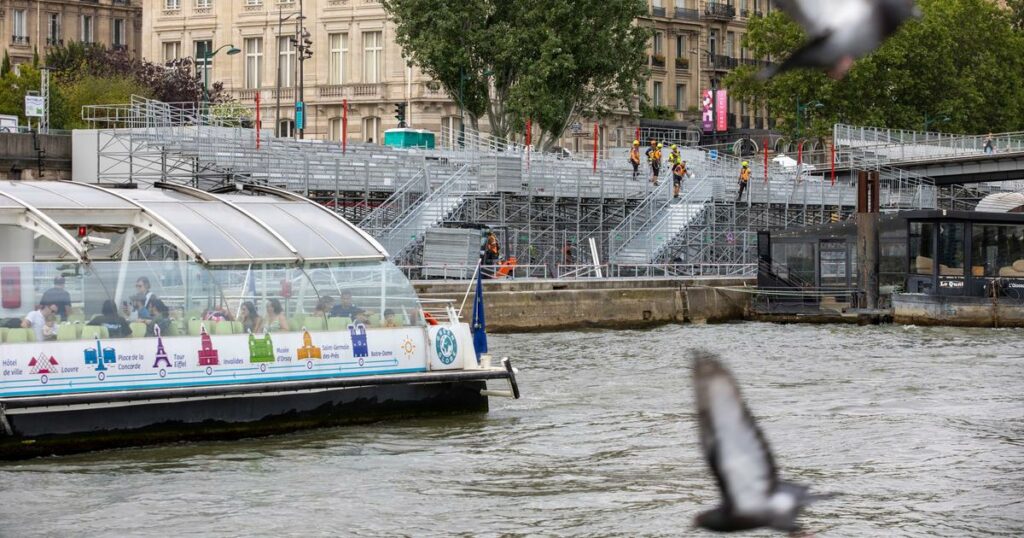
pixel 356 59
pixel 29 26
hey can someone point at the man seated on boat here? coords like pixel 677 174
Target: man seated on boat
pixel 36 319
pixel 116 325
pixel 346 308
pixel 58 296
pixel 161 318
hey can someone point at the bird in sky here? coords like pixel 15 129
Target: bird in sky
pixel 743 465
pixel 840 31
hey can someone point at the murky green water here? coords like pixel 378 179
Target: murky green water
pixel 921 429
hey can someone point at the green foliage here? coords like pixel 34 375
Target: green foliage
pixel 549 61
pixel 92 89
pixel 656 112
pixel 962 60
pixel 5 66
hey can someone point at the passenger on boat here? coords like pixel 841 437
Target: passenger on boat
pixel 250 318
pixel 161 318
pixel 389 318
pixel 138 310
pixel 323 306
pixel 36 319
pixel 142 288
pixel 276 320
pixel 58 296
pixel 50 329
pixel 346 308
pixel 116 325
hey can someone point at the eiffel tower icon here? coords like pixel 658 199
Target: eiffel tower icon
pixel 161 355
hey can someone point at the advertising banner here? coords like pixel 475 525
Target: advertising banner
pixel 722 104
pixel 707 106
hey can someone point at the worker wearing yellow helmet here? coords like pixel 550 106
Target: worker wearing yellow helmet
pixel 634 158
pixel 654 157
pixel 744 178
pixel 674 157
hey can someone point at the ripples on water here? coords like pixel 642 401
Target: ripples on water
pixel 921 429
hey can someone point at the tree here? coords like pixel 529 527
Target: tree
pixel 553 62
pixel 5 66
pixel 961 61
pixel 93 89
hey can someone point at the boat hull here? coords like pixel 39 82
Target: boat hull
pixel 924 309
pixel 63 425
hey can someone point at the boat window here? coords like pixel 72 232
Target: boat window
pixel 997 251
pixel 922 259
pixel 951 249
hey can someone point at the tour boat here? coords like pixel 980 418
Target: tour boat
pixel 169 313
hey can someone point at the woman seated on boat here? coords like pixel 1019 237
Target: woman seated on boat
pixel 219 313
pixel 116 325
pixel 276 320
pixel 250 318
pixel 323 306
pixel 161 318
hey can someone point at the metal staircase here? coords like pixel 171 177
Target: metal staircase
pixel 409 227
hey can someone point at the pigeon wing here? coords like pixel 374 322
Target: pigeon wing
pixel 819 17
pixel 733 444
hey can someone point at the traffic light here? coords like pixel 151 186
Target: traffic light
pixel 400 114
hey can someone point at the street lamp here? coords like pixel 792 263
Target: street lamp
pixel 277 110
pixel 232 50
pixel 928 120
pixel 801 109
pixel 303 45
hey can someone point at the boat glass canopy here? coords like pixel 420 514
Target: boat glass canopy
pixel 243 227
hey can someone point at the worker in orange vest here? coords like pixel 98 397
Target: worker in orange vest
pixel 744 179
pixel 678 174
pixel 634 158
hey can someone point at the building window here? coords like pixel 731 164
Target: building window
pixel 730 44
pixel 373 52
pixel 286 128
pixel 253 61
pixel 371 129
pixel 20 28
pixel 656 44
pixel 997 250
pixel 172 50
pixel 53 29
pixel 713 42
pixel 204 4
pixel 681 46
pixel 339 49
pixel 285 61
pixel 118 38
pixel 334 129
pixel 87 36
pixel 680 96
pixel 172 5
pixel 656 94
pixel 203 64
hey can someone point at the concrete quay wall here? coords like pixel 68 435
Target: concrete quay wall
pixel 550 305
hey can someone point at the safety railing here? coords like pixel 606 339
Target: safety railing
pixel 464 271
pixel 428 212
pixel 650 270
pixel 401 201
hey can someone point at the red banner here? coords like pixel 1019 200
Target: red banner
pixel 800 154
pixel 344 125
pixel 637 137
pixel 722 111
pixel 258 123
pixel 595 145
pixel 765 144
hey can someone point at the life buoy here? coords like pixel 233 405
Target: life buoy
pixel 430 319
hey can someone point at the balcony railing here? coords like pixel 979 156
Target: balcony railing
pixel 721 62
pixel 247 94
pixel 682 64
pixel 719 10
pixel 687 14
pixel 657 11
pixel 51 41
pixel 658 60
pixel 748 13
pixel 371 90
pixel 19 40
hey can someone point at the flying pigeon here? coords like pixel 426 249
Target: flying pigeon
pixel 840 31
pixel 739 456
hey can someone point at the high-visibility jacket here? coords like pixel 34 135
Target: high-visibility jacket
pixel 679 169
pixel 656 156
pixel 745 174
pixel 634 155
pixel 492 245
pixel 675 157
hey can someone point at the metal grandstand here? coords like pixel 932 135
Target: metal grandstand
pixel 537 203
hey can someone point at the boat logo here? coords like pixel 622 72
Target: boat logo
pixel 447 346
pixel 408 347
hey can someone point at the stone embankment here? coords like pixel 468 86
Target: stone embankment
pixel 549 305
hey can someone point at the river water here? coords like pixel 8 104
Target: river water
pixel 920 429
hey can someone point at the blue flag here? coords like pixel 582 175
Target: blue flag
pixel 479 325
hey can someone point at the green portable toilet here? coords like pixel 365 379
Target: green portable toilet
pixel 409 138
